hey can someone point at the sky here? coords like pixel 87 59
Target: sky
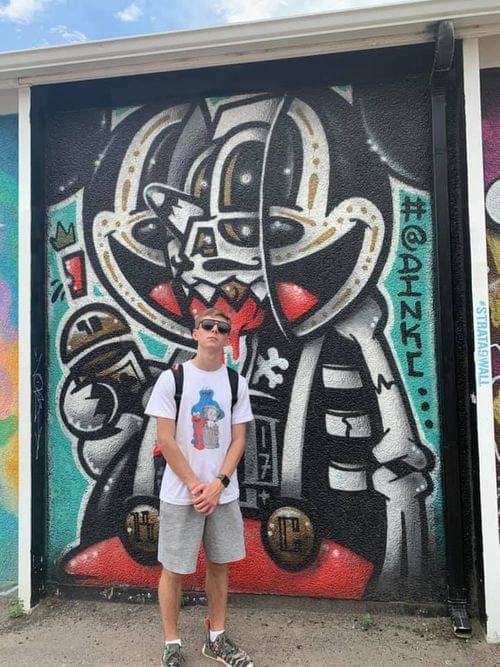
pixel 26 24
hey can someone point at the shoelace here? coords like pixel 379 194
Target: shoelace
pixel 173 659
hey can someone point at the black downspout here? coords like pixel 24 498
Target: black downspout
pixel 457 596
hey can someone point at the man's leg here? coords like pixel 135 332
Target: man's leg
pixel 169 597
pixel 224 543
pixel 179 538
pixel 216 589
pixel 217 644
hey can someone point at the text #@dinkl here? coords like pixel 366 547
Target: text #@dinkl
pixel 413 237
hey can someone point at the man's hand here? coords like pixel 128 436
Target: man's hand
pixel 206 496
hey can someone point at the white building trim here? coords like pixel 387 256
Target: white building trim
pixel 354 30
pixel 24 295
pixel 479 276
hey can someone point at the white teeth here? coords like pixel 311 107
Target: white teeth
pixel 158 197
pixel 206 291
pixel 260 290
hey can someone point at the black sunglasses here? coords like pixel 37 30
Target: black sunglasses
pixel 222 327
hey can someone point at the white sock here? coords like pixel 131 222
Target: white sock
pixel 214 634
pixel 173 641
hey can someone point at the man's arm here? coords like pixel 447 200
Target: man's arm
pixel 206 496
pixel 165 434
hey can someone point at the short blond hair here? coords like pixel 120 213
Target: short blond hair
pixel 211 312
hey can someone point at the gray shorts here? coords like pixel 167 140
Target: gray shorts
pixel 183 530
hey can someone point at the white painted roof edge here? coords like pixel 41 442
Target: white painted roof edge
pixel 406 23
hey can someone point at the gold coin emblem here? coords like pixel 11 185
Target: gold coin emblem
pixel 142 524
pixel 290 536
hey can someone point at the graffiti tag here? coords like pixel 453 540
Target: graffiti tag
pixel 482 355
pixel 412 237
pixel 38 400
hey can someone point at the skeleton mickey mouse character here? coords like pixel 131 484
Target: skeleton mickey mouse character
pixel 273 209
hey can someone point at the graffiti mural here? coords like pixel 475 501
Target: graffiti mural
pixel 8 352
pixel 307 220
pixel 490 103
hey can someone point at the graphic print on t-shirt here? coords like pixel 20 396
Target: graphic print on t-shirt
pixel 205 414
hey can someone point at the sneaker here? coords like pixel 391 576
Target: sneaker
pixel 224 651
pixel 172 656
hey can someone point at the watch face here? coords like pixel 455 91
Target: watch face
pixel 224 479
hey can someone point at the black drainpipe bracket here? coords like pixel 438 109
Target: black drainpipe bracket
pixel 444 51
pixel 457 608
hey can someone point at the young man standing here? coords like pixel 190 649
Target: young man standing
pixel 202 444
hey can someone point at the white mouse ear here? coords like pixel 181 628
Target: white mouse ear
pixel 493 201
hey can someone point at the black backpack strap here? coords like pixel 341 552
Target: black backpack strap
pixel 233 381
pixel 178 372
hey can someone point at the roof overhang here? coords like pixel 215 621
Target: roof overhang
pixel 314 34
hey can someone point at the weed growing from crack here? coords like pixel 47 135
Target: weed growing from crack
pixel 366 622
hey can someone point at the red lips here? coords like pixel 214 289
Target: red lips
pixel 337 572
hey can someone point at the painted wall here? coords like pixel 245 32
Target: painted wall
pixel 490 105
pixel 307 218
pixel 8 352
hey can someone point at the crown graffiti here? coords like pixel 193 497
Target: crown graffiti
pixel 63 238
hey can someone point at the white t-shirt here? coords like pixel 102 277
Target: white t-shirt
pixel 203 430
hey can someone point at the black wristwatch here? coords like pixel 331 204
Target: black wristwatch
pixel 224 479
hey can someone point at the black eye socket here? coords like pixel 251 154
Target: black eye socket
pixel 244 232
pixel 241 175
pixel 151 233
pixel 282 232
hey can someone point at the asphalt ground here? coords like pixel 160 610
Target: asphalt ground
pixel 275 631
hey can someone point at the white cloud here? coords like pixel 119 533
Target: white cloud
pixel 70 36
pixel 241 10
pixel 129 14
pixel 234 11
pixel 21 11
